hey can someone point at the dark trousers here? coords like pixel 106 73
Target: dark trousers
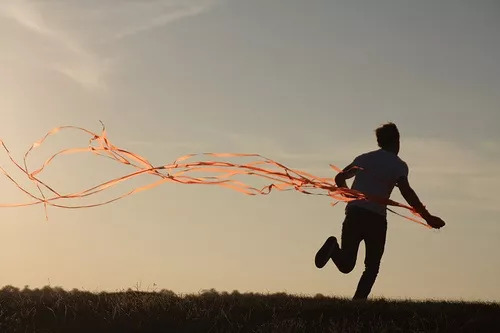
pixel 361 224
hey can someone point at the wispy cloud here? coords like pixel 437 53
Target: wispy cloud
pixel 72 59
pixel 157 14
pixel 75 30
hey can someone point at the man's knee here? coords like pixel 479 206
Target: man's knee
pixel 347 268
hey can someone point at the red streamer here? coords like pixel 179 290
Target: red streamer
pixel 220 173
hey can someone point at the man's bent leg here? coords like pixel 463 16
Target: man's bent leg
pixel 345 257
pixel 375 235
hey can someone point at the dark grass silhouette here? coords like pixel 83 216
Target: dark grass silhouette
pixel 55 310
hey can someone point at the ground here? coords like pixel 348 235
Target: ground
pixel 56 310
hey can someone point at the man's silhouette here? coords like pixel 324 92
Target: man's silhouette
pixel 376 173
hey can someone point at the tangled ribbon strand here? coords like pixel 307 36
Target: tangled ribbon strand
pixel 221 173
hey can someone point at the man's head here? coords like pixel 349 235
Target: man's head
pixel 388 137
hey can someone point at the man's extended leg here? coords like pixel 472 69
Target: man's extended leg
pixel 374 235
pixel 345 257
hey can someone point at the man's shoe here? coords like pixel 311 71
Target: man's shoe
pixel 325 253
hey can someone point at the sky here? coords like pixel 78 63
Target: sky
pixel 302 82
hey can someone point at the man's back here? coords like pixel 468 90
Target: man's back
pixel 378 174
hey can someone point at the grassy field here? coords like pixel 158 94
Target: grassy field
pixel 56 310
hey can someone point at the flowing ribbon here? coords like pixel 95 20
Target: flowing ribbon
pixel 182 170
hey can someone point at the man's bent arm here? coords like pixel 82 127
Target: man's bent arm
pixel 348 172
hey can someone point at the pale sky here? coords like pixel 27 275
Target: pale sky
pixel 302 82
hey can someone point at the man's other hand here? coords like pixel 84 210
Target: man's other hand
pixel 435 222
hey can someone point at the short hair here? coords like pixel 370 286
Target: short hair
pixel 387 135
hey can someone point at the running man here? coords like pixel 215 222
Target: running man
pixel 376 173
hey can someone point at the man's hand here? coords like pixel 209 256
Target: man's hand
pixel 434 221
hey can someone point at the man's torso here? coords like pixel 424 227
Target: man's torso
pixel 378 174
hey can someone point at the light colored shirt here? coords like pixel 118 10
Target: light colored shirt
pixel 380 172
